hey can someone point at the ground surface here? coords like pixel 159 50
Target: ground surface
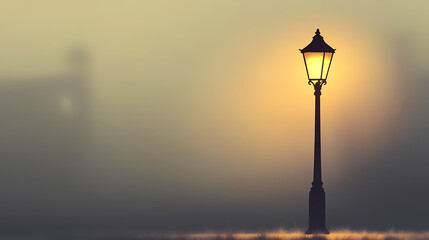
pixel 262 235
pixel 295 235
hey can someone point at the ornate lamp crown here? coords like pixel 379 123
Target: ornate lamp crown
pixel 318 45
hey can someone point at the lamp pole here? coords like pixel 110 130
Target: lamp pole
pixel 317 58
pixel 317 193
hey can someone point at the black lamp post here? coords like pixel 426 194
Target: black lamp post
pixel 317 58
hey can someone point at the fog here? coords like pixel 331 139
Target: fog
pixel 196 115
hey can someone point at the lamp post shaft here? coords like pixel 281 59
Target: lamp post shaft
pixel 317 193
pixel 317 174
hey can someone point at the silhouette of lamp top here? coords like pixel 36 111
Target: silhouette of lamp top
pixel 317 58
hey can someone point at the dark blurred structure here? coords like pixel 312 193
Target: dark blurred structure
pixel 44 137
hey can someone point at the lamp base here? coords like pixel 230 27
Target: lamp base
pixel 316 223
pixel 317 231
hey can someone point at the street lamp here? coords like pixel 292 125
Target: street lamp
pixel 317 58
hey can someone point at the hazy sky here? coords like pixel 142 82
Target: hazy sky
pixel 197 115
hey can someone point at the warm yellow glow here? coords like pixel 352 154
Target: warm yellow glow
pixel 314 62
pixel 258 112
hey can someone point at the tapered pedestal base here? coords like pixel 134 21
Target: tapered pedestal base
pixel 317 211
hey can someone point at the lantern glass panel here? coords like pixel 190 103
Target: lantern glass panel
pixel 314 63
pixel 326 64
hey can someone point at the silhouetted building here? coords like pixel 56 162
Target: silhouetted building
pixel 45 124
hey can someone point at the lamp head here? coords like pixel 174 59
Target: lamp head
pixel 317 58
